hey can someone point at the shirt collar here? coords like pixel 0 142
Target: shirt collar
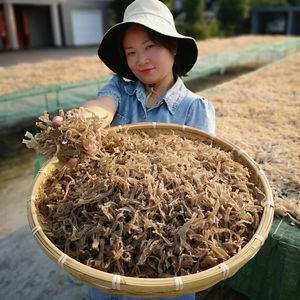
pixel 174 95
pixel 172 98
pixel 132 87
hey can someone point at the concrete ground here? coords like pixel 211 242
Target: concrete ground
pixel 26 273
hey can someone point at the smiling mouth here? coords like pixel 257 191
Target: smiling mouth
pixel 146 70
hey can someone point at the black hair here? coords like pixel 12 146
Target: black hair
pixel 170 43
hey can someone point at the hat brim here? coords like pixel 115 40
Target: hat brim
pixel 110 49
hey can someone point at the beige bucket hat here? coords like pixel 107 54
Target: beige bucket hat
pixel 152 14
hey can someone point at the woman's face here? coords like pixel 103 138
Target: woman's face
pixel 150 62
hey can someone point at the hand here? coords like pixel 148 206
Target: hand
pixel 57 120
pixel 72 162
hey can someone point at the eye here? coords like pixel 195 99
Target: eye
pixel 150 46
pixel 130 53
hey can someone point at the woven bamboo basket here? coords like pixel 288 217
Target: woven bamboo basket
pixel 160 287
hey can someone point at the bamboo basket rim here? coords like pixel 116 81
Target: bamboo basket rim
pixel 158 287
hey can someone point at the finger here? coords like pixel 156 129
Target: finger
pixel 57 120
pixel 97 132
pixel 72 162
pixel 98 136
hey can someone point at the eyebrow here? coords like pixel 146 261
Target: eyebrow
pixel 130 47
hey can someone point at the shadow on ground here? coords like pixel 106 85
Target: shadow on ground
pixel 27 273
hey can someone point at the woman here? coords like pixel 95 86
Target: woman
pixel 148 56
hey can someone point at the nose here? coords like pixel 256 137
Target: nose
pixel 143 59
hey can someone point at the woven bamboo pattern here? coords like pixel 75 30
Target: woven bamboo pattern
pixel 160 287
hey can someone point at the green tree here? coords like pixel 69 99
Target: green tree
pixel 193 23
pixel 275 2
pixel 118 7
pixel 232 15
pixel 169 3
pixel 194 11
pixel 268 2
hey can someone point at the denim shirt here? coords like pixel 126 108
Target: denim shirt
pixel 178 105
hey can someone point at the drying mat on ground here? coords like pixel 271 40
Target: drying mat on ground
pixel 274 273
pixel 30 103
pixel 161 287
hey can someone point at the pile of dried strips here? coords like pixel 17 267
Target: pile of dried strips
pixel 259 112
pixel 143 206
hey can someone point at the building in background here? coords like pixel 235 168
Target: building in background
pixel 28 24
pixel 276 20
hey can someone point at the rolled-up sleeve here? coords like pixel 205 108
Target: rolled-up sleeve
pixel 202 115
pixel 112 89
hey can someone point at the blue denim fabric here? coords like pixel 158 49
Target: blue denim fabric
pixel 94 294
pixel 178 105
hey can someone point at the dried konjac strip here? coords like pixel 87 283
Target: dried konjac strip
pixel 150 206
pixel 77 137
